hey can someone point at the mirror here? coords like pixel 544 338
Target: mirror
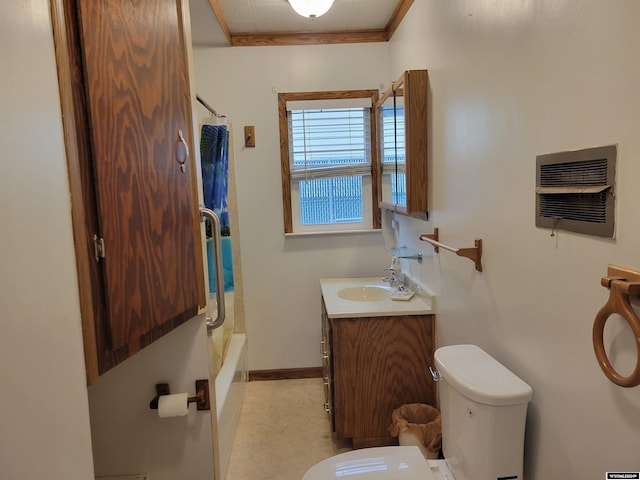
pixel 392 151
pixel 402 126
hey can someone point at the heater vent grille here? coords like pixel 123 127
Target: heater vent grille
pixel 574 190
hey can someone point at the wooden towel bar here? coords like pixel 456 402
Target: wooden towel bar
pixel 472 253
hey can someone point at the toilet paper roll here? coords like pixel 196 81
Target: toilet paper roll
pixel 176 405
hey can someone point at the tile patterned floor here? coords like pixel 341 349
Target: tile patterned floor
pixel 282 432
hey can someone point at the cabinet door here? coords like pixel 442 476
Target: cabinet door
pixel 379 364
pixel 415 109
pixel 138 101
pixel 402 126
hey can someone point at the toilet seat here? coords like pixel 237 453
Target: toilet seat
pixel 377 463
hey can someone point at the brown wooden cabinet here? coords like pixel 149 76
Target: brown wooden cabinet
pixel 402 113
pixel 126 100
pixel 372 365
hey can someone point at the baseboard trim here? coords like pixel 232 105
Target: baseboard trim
pixel 285 374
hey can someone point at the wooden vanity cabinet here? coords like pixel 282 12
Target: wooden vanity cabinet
pixel 125 91
pixel 372 365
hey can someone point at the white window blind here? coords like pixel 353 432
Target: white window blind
pixel 329 143
pixel 330 166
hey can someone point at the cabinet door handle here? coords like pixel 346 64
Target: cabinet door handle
pixel 182 151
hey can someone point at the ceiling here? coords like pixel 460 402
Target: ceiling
pixel 273 22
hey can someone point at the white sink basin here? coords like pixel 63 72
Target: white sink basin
pixel 368 293
pixel 366 297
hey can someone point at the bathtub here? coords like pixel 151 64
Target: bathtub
pixel 230 388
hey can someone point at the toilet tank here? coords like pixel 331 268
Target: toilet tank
pixel 483 406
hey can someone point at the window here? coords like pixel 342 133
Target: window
pixel 330 173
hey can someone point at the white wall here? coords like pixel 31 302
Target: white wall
pixel 128 437
pixel 281 276
pixel 44 413
pixel 510 80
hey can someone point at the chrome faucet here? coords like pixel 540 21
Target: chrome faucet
pixel 394 278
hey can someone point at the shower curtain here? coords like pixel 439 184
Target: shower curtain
pixel 214 152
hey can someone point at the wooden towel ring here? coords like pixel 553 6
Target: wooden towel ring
pixel 618 303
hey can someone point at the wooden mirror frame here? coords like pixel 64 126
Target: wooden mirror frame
pixel 414 86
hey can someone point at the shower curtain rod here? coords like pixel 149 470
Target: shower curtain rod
pixel 208 107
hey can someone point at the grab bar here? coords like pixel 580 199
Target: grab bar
pixel 210 215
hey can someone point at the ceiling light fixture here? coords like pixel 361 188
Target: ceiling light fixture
pixel 311 8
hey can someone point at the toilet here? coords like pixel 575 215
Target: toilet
pixel 483 406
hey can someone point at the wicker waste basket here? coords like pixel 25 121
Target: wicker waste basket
pixel 418 424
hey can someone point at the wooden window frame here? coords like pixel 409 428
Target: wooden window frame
pixel 283 98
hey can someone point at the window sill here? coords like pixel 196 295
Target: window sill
pixel 332 232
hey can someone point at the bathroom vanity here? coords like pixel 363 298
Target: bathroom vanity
pixel 376 356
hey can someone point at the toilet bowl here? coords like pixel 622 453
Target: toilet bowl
pixel 483 408
pixel 381 463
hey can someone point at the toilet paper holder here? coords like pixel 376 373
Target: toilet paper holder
pixel 201 398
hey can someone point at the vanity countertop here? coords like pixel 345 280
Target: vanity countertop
pixel 337 307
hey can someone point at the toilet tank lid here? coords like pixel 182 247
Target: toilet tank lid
pixel 480 377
